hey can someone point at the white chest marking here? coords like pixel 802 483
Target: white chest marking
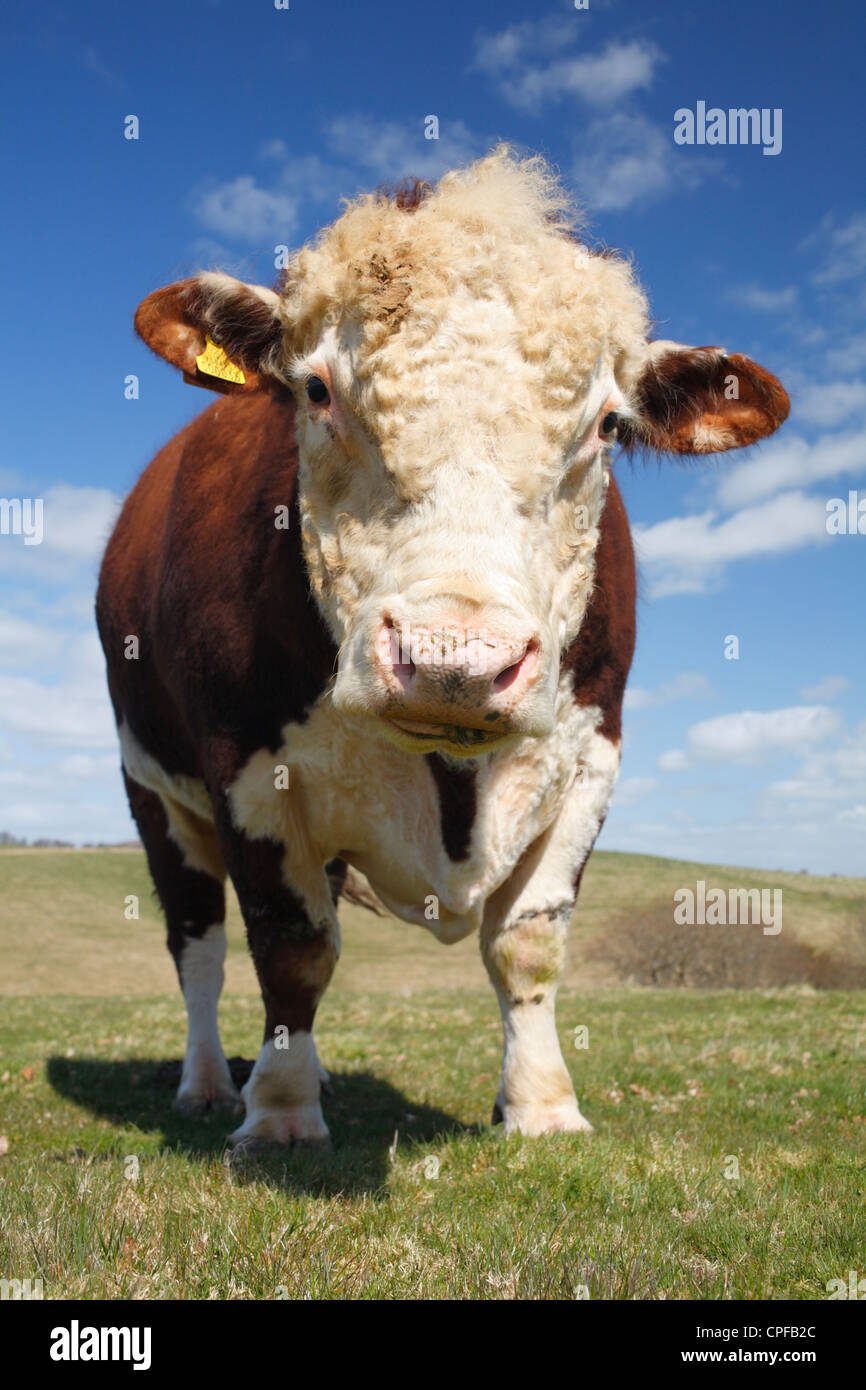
pixel 348 793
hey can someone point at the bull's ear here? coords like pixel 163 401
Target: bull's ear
pixel 222 333
pixel 702 400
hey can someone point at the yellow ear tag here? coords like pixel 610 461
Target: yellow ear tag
pixel 213 362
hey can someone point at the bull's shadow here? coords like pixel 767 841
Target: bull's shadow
pixel 363 1112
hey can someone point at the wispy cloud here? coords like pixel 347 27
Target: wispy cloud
pixel 507 49
pixel 843 248
pixel 621 157
pixel 689 554
pixel 688 685
pixel 765 301
pixel 792 462
pixel 625 158
pixel 92 61
pixel 826 689
pixel 244 211
pixel 73 712
pixel 529 77
pixel 831 775
pixel 830 402
pixel 631 790
pixel 751 736
pixel 391 150
pixel 267 207
pixel 77 523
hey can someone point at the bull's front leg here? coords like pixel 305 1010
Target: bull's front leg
pixel 523 941
pixel 524 954
pixel 293 936
pixel 294 959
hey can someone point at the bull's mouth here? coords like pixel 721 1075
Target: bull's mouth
pixel 456 735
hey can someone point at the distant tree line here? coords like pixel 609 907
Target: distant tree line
pixel 6 838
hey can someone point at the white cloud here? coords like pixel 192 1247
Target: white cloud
pixel 77 522
pixel 73 712
pixel 23 643
pixel 844 249
pixel 391 150
pixel 597 79
pixel 244 211
pixel 847 353
pixel 633 789
pixel 688 685
pixel 253 210
pixel 530 70
pixel 674 761
pixel 792 463
pixel 625 158
pixel 828 775
pixel 503 51
pixel 688 554
pixel 619 159
pixel 750 736
pixel 274 149
pixel 826 689
pixel 831 402
pixel 248 210
pixel 87 766
pixel 766 301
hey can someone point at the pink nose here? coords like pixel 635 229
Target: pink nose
pixel 454 673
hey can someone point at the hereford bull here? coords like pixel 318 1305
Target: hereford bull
pixel 384 599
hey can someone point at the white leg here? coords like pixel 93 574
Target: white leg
pixel 535 1093
pixel 523 939
pixel 282 1095
pixel 205 1081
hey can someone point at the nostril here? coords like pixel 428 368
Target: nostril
pixel 404 671
pixel 396 654
pixel 507 677
pixel 518 669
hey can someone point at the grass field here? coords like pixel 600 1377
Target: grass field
pixel 729 1159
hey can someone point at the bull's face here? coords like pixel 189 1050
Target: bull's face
pixel 461 370
pixel 449 501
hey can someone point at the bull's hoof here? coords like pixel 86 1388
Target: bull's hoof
pixel 532 1122
pixel 199 1103
pixel 305 1125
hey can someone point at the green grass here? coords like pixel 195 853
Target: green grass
pixel 106 1193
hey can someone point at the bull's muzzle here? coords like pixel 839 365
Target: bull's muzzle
pixel 453 684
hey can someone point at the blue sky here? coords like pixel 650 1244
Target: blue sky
pixel 254 122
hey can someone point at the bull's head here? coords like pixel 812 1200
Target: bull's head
pixel 462 366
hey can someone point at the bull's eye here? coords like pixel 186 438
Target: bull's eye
pixel 610 422
pixel 317 391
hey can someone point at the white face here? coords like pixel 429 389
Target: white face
pixel 449 498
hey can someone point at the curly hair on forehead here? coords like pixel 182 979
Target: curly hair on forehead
pixel 407 195
pixel 407 261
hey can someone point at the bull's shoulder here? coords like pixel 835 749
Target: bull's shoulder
pixel 206 568
pixel 600 656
